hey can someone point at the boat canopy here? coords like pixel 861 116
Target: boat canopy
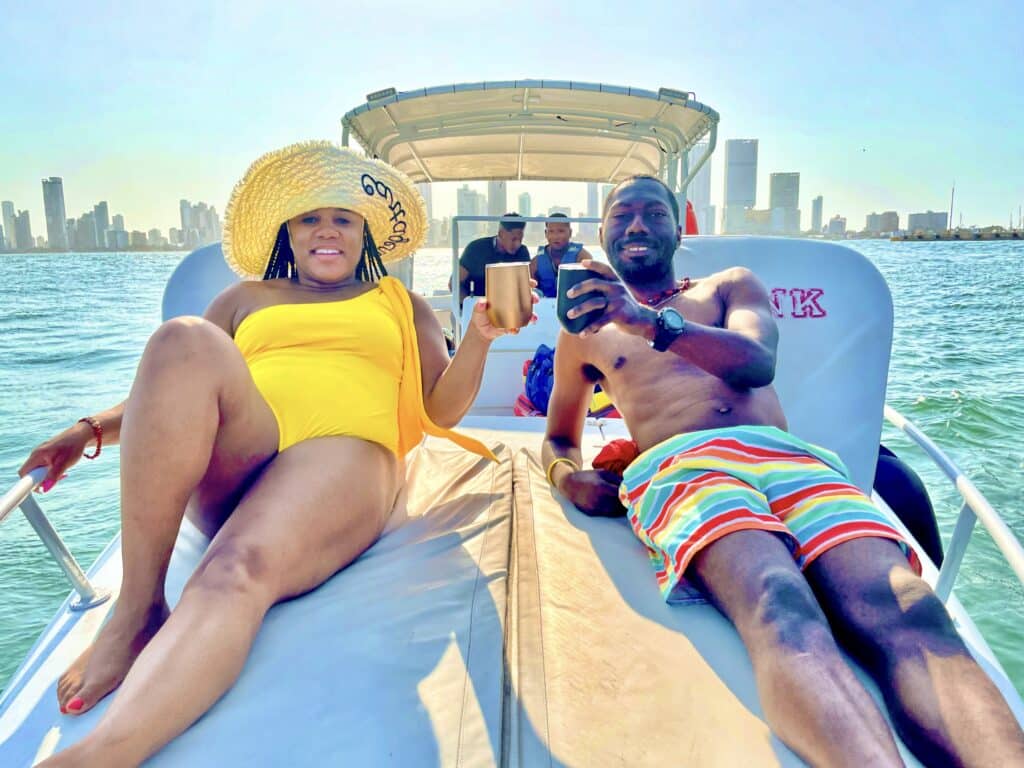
pixel 534 130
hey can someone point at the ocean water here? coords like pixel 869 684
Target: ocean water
pixel 73 326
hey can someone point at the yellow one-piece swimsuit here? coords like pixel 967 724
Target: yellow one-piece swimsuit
pixel 329 368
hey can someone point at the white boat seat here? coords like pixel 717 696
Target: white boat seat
pixel 396 660
pixel 594 651
pixel 834 314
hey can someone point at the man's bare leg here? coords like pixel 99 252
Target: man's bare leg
pixel 194 418
pixel 313 510
pixel 811 698
pixel 942 703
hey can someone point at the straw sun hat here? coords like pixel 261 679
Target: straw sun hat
pixel 319 174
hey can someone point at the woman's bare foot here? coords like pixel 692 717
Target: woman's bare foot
pixel 103 665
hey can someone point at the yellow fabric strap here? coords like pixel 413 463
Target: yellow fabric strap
pixel 556 462
pixel 413 420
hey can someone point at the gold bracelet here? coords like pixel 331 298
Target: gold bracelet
pixel 559 460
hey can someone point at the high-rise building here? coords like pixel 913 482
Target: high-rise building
pixel 525 205
pixel 497 198
pixel 837 225
pixel 185 210
pixel 118 223
pixel 709 221
pixel 469 202
pixel 592 202
pixel 740 181
pixel 784 197
pixel 877 223
pixel 205 225
pixel 116 239
pixel 23 240
pixel 101 216
pixel 588 230
pixel 928 222
pixel 560 209
pixel 8 218
pixel 606 189
pixel 816 211
pixel 427 193
pixel 86 238
pixel 155 237
pixel 56 218
pixel 699 191
pixel 784 190
pixel 756 221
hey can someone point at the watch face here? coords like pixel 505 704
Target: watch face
pixel 672 320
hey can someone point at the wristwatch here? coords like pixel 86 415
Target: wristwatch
pixel 669 326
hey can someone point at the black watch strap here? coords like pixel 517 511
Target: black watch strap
pixel 668 327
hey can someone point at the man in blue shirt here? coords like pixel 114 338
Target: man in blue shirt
pixel 559 250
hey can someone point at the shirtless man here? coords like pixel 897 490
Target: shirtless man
pixel 690 366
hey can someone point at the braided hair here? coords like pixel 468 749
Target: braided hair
pixel 370 268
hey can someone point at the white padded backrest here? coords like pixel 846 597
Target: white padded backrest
pixel 203 274
pixel 834 313
pixel 196 281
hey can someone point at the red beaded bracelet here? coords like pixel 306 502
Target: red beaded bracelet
pixel 97 432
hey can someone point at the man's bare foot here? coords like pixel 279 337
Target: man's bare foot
pixel 103 665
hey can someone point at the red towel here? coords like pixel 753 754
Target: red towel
pixel 617 455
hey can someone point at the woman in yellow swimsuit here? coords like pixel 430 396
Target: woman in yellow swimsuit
pixel 252 421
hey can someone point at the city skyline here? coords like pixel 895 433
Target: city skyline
pixel 200 224
pixel 96 229
pixel 874 117
pixel 741 179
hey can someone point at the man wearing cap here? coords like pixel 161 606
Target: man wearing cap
pixel 506 246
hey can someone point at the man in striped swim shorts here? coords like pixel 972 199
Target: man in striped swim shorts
pixel 735 509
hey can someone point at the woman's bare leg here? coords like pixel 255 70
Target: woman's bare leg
pixel 303 519
pixel 194 420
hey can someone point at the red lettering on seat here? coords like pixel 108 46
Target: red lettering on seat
pixel 797 302
pixel 805 302
pixel 777 296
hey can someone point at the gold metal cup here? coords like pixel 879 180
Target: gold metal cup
pixel 509 298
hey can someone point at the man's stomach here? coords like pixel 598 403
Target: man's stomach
pixel 660 415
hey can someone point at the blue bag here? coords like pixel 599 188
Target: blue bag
pixel 540 377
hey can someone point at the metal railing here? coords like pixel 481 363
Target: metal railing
pixel 21 496
pixel 975 507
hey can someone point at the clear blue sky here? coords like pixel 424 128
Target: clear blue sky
pixel 143 104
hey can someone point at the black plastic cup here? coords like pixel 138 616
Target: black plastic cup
pixel 568 276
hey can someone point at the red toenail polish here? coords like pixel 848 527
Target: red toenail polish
pixel 75 704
